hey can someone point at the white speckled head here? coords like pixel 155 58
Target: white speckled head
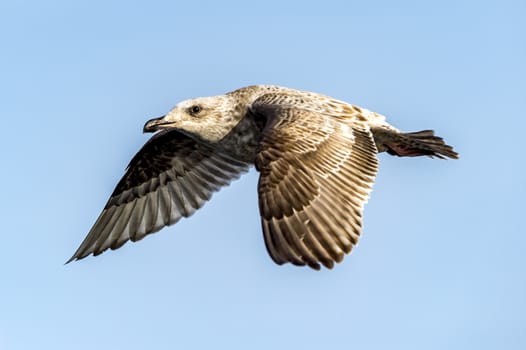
pixel 209 118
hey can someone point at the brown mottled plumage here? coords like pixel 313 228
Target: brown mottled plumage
pixel 316 157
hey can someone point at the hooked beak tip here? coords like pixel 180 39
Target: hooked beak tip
pixel 154 124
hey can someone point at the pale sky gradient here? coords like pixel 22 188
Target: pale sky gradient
pixel 441 263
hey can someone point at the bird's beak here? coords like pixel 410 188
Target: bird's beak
pixel 155 124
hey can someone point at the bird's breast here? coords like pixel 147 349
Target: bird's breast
pixel 243 140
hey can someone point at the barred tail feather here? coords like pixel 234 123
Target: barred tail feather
pixel 420 143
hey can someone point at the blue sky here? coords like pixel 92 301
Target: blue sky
pixel 441 262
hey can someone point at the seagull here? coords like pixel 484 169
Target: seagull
pixel 316 157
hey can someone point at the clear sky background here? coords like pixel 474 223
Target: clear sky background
pixel 441 263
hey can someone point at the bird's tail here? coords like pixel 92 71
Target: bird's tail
pixel 420 143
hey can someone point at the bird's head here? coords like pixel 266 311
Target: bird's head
pixel 209 118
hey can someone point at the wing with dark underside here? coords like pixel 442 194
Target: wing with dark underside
pixel 317 172
pixel 169 178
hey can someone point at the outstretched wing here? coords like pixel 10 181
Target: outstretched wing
pixel 170 177
pixel 317 171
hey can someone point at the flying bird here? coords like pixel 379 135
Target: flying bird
pixel 317 159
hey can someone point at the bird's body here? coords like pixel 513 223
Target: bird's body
pixel 316 157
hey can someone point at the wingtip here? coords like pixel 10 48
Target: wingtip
pixel 73 258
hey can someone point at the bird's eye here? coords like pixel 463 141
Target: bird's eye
pixel 194 110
